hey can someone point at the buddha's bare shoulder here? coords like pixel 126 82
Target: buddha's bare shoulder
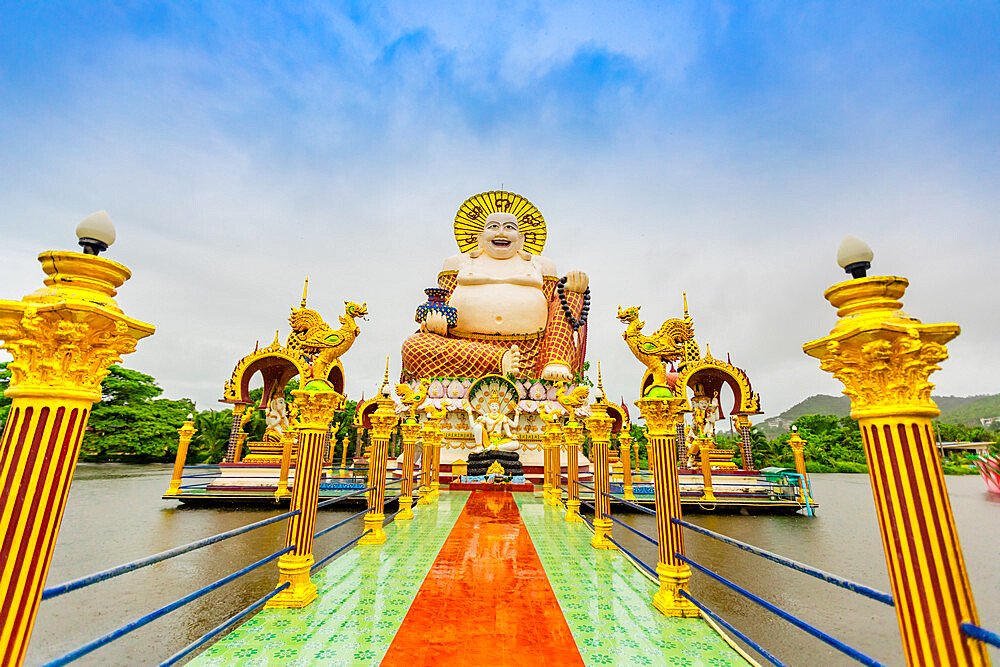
pixel 544 264
pixel 455 262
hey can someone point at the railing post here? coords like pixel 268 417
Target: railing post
pixel 315 409
pixel 661 415
pixel 884 358
pixel 625 442
pixel 708 493
pixel 798 446
pixel 573 436
pixel 437 436
pixel 287 440
pixel 411 431
pixel 185 433
pixel 384 420
pixel 62 339
pixel 551 439
pixel 599 424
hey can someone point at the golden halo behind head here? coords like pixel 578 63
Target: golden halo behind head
pixel 472 214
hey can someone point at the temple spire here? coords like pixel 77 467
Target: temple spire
pixel 305 289
pixel 385 380
pixel 686 316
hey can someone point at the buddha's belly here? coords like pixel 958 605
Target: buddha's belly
pixel 499 309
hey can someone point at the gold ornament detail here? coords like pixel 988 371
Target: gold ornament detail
pixel 879 374
pixel 315 408
pixel 662 414
pixel 64 347
pixel 667 343
pixel 412 398
pixel 472 215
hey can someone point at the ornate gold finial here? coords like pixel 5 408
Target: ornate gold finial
pixel 277 338
pixel 305 289
pixel 686 316
pixel 385 380
pixel 600 382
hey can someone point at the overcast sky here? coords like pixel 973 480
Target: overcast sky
pixel 722 149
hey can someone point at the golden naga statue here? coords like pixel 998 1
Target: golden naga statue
pixel 317 341
pixel 412 398
pixel 500 307
pixel 667 344
pixel 572 401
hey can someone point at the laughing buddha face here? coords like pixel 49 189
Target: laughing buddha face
pixel 500 238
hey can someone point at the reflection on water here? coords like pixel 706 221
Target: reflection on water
pixel 115 514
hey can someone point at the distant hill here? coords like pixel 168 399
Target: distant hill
pixel 966 410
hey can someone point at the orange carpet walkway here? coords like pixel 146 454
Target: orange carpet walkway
pixel 486 600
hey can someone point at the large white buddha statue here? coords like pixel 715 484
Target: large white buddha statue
pixel 500 308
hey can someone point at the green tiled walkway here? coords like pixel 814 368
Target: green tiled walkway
pixel 365 594
pixel 363 597
pixel 607 601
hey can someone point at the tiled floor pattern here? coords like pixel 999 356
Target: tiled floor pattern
pixel 486 600
pixel 363 598
pixel 607 601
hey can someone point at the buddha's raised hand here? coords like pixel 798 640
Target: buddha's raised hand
pixel 435 322
pixel 577 281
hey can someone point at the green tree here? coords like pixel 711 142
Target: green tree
pixel 209 444
pixel 131 422
pixel 4 401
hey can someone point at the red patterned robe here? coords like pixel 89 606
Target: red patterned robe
pixel 428 355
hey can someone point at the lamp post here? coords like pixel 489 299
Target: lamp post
pixel 573 435
pixel 62 339
pixel 185 434
pixel 798 446
pixel 884 358
pixel 410 430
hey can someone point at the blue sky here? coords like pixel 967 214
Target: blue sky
pixel 718 148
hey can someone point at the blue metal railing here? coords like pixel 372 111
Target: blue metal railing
pixel 222 627
pixel 631 504
pixel 729 626
pixel 981 634
pixel 104 575
pixel 778 611
pixel 860 589
pixel 162 611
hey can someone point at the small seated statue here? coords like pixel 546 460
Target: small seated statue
pixel 514 315
pixel 493 430
pixel 275 419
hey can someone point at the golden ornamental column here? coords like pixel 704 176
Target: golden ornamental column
pixel 62 338
pixel 662 415
pixel 315 409
pixel 625 442
pixel 573 437
pixel 411 431
pixel 287 440
pixel 708 493
pixel 426 459
pixel 599 424
pixel 383 420
pixel 551 438
pixel 185 433
pixel 798 446
pixel 884 358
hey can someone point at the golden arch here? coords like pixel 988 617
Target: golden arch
pixel 711 374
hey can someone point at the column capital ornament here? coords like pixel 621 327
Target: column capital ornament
pixel 599 423
pixel 384 419
pixel 661 414
pixel 316 408
pixel 796 443
pixel 883 356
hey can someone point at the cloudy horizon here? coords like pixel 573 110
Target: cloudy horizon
pixel 719 149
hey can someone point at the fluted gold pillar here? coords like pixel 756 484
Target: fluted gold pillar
pixel 625 442
pixel 384 421
pixel 708 493
pixel 661 415
pixel 884 358
pixel 599 424
pixel 185 433
pixel 411 431
pixel 62 338
pixel 798 446
pixel 573 437
pixel 315 410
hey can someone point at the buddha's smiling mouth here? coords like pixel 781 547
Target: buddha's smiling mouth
pixel 501 243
